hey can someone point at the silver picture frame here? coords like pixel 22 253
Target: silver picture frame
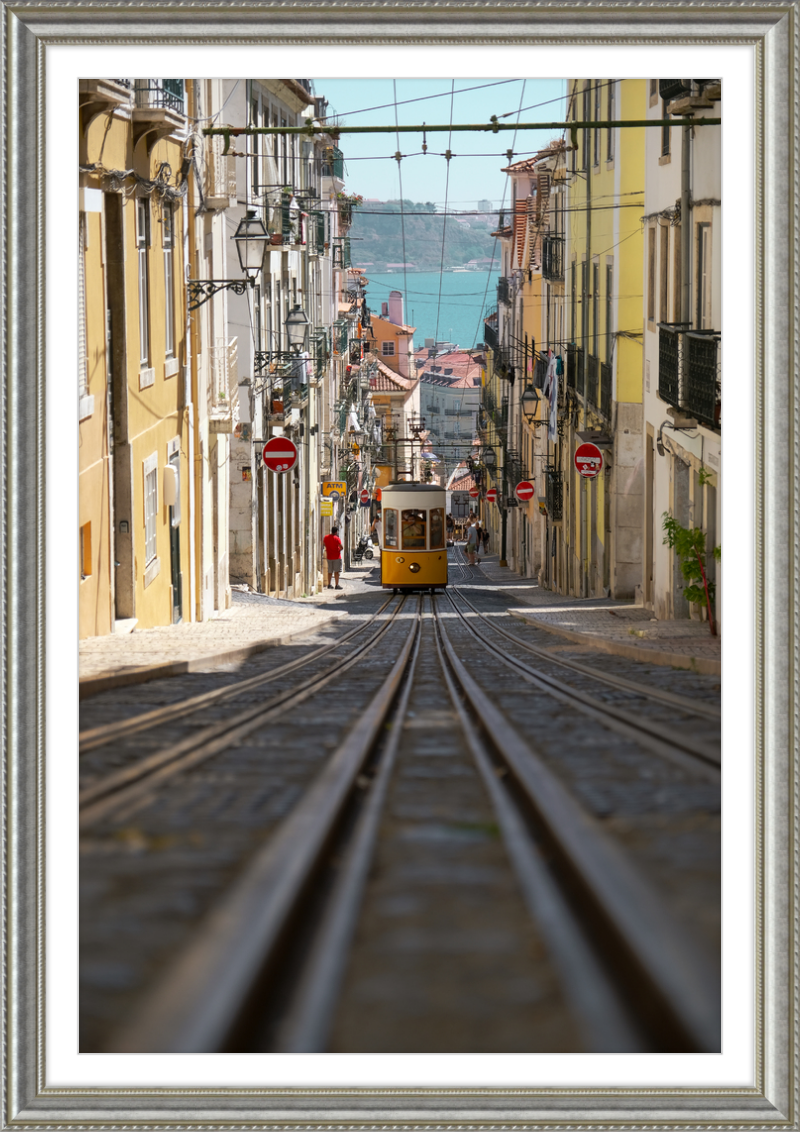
pixel 771 29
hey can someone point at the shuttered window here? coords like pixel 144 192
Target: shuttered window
pixel 150 470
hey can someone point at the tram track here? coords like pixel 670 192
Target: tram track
pixel 101 797
pixel 626 971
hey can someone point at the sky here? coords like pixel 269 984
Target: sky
pixel 370 167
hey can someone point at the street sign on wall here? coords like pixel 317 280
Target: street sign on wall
pixel 491 495
pixel 280 454
pixel 474 493
pixel 588 460
pixel 524 490
pixel 364 498
pixel 326 507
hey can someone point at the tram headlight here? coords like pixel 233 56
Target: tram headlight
pixel 415 567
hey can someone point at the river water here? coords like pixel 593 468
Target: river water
pixel 465 295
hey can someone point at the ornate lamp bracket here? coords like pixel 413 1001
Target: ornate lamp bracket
pixel 201 290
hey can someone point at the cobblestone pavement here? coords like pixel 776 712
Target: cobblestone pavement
pixel 613 626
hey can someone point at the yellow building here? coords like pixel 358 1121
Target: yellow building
pixel 134 461
pixel 602 528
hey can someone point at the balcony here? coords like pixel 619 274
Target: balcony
pixel 605 390
pixel 157 109
pixel 579 370
pixel 553 257
pixel 554 493
pixel 333 163
pixel 220 187
pixel 503 295
pixel 223 404
pixel 490 338
pixel 572 363
pixel 689 371
pixel 539 372
pixel 341 252
pixel 592 381
pixel 702 388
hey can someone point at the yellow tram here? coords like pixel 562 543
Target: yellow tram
pixel 413 536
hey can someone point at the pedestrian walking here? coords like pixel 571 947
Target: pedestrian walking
pixel 472 543
pixel 485 541
pixel 478 537
pixel 333 553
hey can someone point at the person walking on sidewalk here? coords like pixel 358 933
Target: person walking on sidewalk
pixel 472 543
pixel 333 554
pixel 485 536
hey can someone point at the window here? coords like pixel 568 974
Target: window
pixel 704 277
pixel 663 272
pixel 586 114
pixel 142 244
pixel 677 298
pixel 596 116
pixel 284 147
pixel 254 121
pixel 651 274
pixel 414 523
pixel 653 88
pixel 83 373
pixel 664 130
pixel 573 300
pixel 168 238
pixel 595 305
pixel 86 550
pixel 387 349
pixel 609 318
pixel 389 527
pixel 150 468
pixel 437 528
pixel 612 114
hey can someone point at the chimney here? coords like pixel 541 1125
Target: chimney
pixel 396 307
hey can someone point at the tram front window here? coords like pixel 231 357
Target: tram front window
pixel 390 527
pixel 413 530
pixel 437 528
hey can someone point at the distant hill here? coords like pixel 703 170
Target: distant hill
pixel 378 239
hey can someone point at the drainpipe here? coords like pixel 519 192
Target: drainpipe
pixel 686 227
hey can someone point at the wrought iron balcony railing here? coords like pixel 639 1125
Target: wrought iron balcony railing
pixel 701 386
pixel 592 376
pixel 553 257
pixel 572 365
pixel 503 290
pixel 554 493
pixel 490 337
pixel 605 390
pixel 166 94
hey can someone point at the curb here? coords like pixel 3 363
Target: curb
pixel 702 664
pixel 89 686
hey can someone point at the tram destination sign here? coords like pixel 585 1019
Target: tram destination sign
pixel 280 454
pixel 588 460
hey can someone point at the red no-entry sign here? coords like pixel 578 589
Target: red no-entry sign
pixel 524 490
pixel 364 497
pixel 474 493
pixel 491 495
pixel 280 454
pixel 588 460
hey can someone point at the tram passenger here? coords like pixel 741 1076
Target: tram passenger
pixel 333 555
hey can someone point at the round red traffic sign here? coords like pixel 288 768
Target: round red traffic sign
pixel 280 454
pixel 491 495
pixel 588 460
pixel 365 497
pixel 524 490
pixel 474 493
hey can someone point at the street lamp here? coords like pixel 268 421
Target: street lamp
pixel 252 240
pixel 489 457
pixel 529 403
pixel 251 243
pixel 297 324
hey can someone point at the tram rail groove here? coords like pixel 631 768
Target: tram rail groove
pixel 129 784
pixel 676 989
pixel 196 1007
pixel 669 699
pixel 95 737
pixel 699 758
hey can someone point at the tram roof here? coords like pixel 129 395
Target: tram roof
pixel 411 485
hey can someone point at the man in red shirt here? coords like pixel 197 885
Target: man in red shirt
pixel 333 553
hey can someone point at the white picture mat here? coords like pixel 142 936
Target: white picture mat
pixel 735 1065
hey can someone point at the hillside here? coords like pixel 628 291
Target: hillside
pixel 378 239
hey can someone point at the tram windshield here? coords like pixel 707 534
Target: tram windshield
pixel 390 527
pixel 437 528
pixel 414 523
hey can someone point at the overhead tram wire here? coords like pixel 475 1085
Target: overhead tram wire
pixel 398 155
pixel 428 97
pixel 444 222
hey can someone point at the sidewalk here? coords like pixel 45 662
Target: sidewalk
pixel 609 626
pixel 253 623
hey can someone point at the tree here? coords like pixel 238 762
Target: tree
pixel 689 543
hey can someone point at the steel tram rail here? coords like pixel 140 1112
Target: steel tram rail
pixel 212 990
pixel 669 699
pixel 129 783
pixel 95 737
pixel 683 750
